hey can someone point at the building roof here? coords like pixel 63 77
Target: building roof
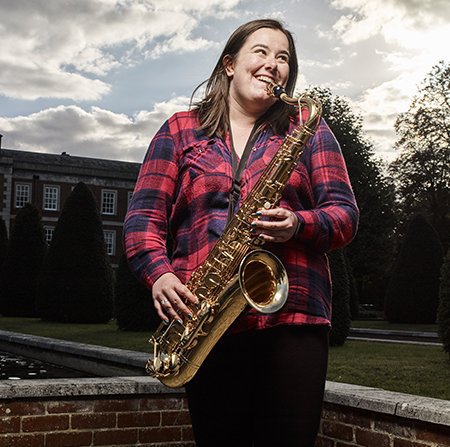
pixel 70 161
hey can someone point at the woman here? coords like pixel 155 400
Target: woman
pixel 263 383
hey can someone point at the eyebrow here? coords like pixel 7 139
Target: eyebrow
pixel 268 48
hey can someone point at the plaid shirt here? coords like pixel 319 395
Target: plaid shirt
pixel 184 185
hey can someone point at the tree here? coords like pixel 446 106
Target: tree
pixel 413 291
pixel 340 316
pixel 372 250
pixel 444 304
pixel 77 281
pixel 422 170
pixel 22 264
pixel 134 308
pixel 3 242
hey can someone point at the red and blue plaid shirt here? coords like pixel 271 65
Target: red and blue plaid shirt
pixel 184 186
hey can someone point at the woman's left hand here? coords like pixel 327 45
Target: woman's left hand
pixel 280 228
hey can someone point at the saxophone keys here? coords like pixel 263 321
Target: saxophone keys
pixel 212 280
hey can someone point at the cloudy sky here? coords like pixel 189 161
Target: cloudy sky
pixel 97 78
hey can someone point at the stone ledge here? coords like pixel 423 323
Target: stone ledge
pixel 408 406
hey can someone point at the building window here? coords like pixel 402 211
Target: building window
pixel 110 239
pixel 49 234
pixel 109 202
pixel 51 198
pixel 22 194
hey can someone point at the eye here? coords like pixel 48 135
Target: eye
pixel 283 58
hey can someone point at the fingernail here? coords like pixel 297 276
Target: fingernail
pixel 166 322
pixel 180 322
pixel 261 236
pixel 258 213
pixel 197 304
pixel 190 316
pixel 252 230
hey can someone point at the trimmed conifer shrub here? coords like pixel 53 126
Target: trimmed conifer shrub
pixel 3 242
pixel 412 295
pixel 23 261
pixel 76 284
pixel 134 308
pixel 444 304
pixel 340 317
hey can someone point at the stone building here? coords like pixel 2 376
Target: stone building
pixel 46 180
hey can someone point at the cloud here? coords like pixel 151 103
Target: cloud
pixel 60 49
pixel 400 21
pixel 95 133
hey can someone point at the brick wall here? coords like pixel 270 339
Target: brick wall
pixel 349 427
pixel 122 420
pixel 139 411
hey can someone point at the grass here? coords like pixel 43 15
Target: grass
pixel 412 369
pixel 386 326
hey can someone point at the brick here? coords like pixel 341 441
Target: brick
pixel 160 434
pixel 45 423
pixel 173 418
pixel 321 441
pixel 360 418
pixel 70 406
pixel 142 419
pixel 337 430
pixel 438 434
pixel 23 440
pixel 370 438
pixel 10 425
pixel 152 404
pixel 116 437
pixel 116 405
pixel 398 427
pixel 407 443
pixel 91 420
pixel 187 434
pixel 345 444
pixel 21 408
pixel 69 439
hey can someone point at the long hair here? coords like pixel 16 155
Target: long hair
pixel 213 109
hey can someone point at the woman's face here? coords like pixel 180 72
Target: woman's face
pixel 264 55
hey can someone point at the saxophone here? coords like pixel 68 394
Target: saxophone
pixel 261 280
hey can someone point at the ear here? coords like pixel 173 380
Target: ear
pixel 228 65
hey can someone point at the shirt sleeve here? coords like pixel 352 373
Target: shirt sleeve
pixel 146 222
pixel 332 222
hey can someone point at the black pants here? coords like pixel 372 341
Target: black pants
pixel 261 388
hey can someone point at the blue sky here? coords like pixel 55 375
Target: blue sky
pixel 97 78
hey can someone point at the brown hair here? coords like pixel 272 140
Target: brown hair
pixel 213 109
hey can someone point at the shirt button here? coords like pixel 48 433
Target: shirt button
pixel 254 149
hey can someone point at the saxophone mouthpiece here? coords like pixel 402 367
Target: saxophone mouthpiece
pixel 275 90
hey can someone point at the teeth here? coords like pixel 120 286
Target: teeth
pixel 263 78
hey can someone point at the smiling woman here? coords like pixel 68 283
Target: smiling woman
pixel 199 166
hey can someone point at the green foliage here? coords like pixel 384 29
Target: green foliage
pixel 340 319
pixel 22 264
pixel 413 291
pixel 372 250
pixel 134 308
pixel 422 170
pixel 444 304
pixel 77 281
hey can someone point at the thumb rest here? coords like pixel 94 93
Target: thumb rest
pixel 261 280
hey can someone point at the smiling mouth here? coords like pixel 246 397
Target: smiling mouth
pixel 265 79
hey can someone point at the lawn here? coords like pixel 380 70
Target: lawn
pixel 412 369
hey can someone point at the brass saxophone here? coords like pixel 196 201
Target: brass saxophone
pixel 261 280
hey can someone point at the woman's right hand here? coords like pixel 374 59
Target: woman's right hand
pixel 170 296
